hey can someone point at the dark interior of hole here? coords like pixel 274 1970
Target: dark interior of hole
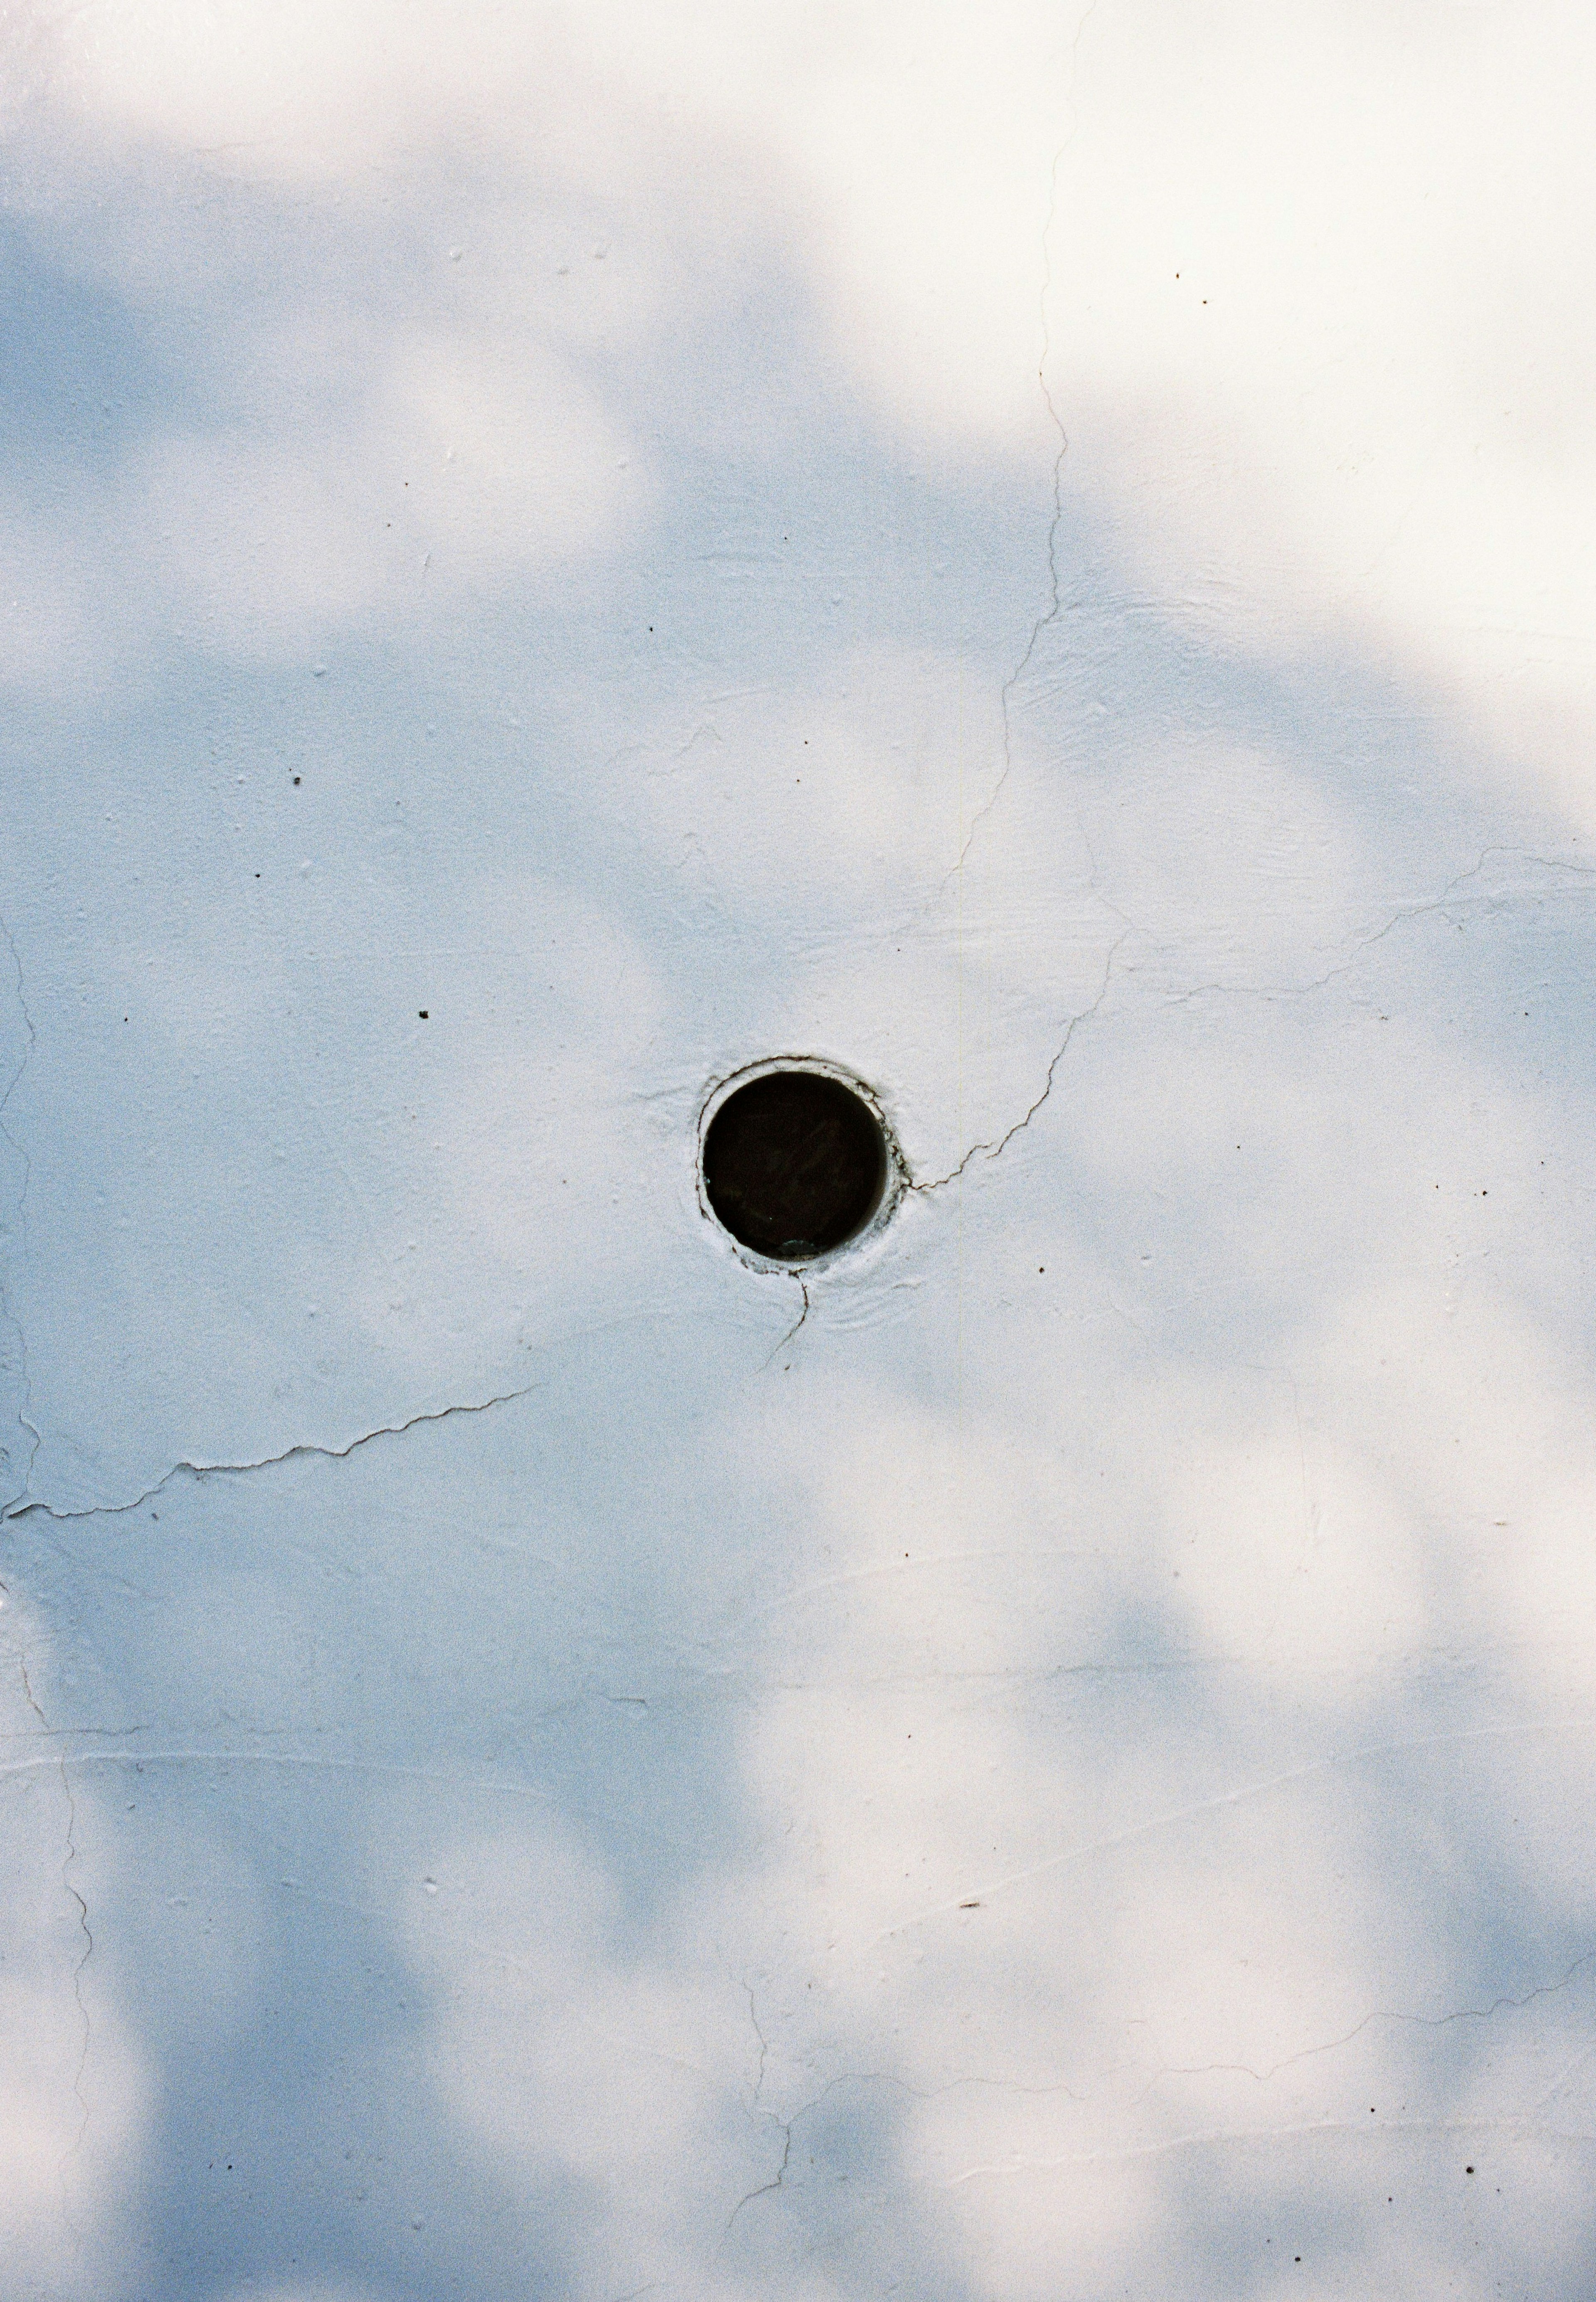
pixel 795 1164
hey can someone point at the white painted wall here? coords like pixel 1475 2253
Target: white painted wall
pixel 1042 555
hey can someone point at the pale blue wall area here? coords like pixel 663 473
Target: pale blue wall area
pixel 1064 1772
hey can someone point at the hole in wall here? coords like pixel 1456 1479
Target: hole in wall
pixel 795 1164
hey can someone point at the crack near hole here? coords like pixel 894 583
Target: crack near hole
pixel 793 1329
pixel 1000 1144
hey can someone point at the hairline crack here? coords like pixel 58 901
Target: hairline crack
pixel 304 1447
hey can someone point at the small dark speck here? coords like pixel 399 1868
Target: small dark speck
pixel 422 1012
pixel 969 1906
pixel 1468 2170
pixel 298 779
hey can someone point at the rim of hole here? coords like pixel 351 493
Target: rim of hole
pixel 721 1091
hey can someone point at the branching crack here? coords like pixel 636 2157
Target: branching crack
pixel 1000 1144
pixel 269 1462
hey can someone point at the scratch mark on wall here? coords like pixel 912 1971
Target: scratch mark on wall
pixel 1198 1807
pixel 1521 2128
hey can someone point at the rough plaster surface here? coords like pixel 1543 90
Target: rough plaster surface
pixel 1041 555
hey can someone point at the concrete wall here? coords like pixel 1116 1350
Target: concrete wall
pixel 1042 556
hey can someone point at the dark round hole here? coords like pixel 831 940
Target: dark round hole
pixel 795 1164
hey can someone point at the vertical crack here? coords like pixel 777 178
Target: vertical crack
pixel 794 1329
pixel 24 1393
pixel 764 2188
pixel 84 1956
pixel 67 1861
pixel 764 2048
pixel 1055 609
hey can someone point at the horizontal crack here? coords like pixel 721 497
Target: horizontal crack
pixel 268 1462
pixel 1378 934
pixel 1379 2014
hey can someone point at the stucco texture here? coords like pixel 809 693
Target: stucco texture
pixel 1040 558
